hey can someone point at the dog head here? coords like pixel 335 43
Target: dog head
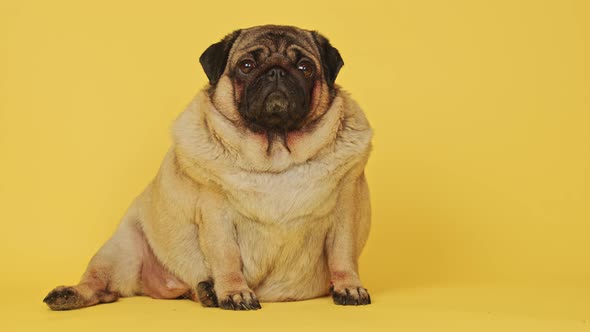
pixel 272 79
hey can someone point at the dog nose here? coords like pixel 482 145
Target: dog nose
pixel 275 73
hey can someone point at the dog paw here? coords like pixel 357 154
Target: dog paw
pixel 206 294
pixel 244 300
pixel 64 298
pixel 350 296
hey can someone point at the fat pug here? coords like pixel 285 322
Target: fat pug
pixel 262 196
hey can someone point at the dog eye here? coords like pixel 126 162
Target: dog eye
pixel 306 67
pixel 246 66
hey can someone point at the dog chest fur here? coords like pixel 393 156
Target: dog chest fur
pixel 302 191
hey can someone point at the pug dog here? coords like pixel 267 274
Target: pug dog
pixel 262 196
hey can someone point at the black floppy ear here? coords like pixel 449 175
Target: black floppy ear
pixel 215 57
pixel 331 59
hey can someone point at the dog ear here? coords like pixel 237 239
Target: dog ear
pixel 215 57
pixel 331 59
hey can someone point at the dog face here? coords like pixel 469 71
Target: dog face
pixel 272 80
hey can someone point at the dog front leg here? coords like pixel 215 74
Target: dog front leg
pixel 217 238
pixel 345 242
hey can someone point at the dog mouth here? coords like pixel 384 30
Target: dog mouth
pixel 276 112
pixel 276 102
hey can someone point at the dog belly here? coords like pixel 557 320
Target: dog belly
pixel 156 281
pixel 285 262
pixel 295 283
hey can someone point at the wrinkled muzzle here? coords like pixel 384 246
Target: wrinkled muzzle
pixel 275 101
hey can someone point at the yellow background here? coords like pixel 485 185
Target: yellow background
pixel 480 175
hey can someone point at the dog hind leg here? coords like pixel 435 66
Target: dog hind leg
pixel 113 272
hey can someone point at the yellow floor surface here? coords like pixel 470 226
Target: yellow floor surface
pixel 442 308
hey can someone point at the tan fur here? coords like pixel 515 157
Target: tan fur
pixel 275 223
